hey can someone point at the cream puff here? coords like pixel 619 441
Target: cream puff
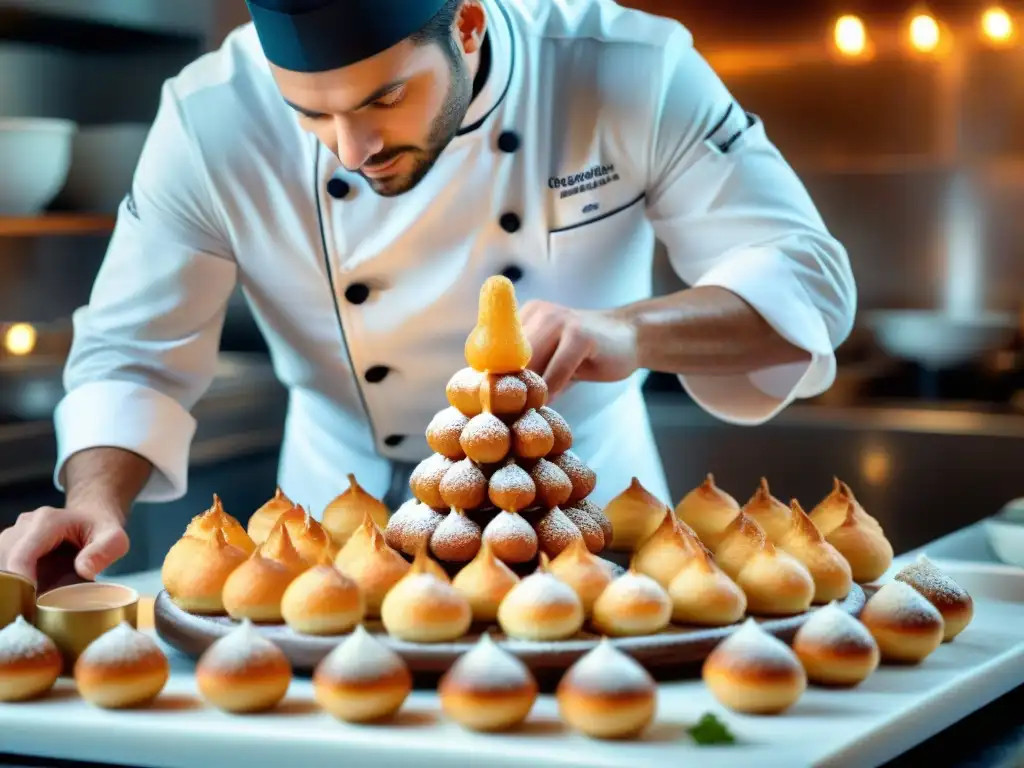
pixel 753 672
pixel 598 516
pixel 633 604
pixel 121 668
pixel 867 550
pixel 372 564
pixel 590 530
pixel 952 601
pixel 634 514
pixel 463 486
pixel 425 480
pixel 30 662
pixel 484 582
pixel 559 429
pixel 486 439
pixel 512 488
pixel 243 672
pixel 555 532
pixel 541 607
pixel 216 519
pixel 905 625
pixel 584 572
pixel 708 510
pixel 487 688
pixel 667 550
pixel 581 476
pixel 411 527
pixel 553 487
pixel 835 648
pixel 456 539
pixel 703 594
pixel 536 389
pixel 833 577
pixel 265 518
pixel 195 571
pixel 512 538
pixel 444 431
pixel 345 513
pixel 532 437
pixel 323 601
pixel 830 512
pixel 424 608
pixel 362 680
pixel 255 588
pixel 768 512
pixel 308 537
pixel 463 391
pixel 503 394
pixel 607 694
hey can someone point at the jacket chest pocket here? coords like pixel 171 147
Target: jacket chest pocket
pixel 605 261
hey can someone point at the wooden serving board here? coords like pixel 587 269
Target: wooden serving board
pixel 669 654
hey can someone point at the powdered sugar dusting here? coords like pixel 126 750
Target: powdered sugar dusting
pixel 536 388
pixel 503 393
pixel 489 667
pixel 240 649
pixel 444 431
pixel 121 645
pixel 751 644
pixel 901 604
pixel 599 517
pixel 606 669
pixel 413 528
pixel 456 536
pixel 542 588
pixel 511 488
pixel 580 475
pixel 587 526
pixel 555 532
pixel 559 429
pixel 464 485
pixel 924 576
pixel 426 477
pixel 831 626
pixel 532 437
pixel 361 658
pixel 553 485
pixel 19 641
pixel 486 438
pixel 632 587
pixel 507 526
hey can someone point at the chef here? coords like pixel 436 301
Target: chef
pixel 359 168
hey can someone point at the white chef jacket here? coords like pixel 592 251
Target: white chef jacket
pixel 599 129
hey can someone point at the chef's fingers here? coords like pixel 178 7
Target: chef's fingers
pixel 543 330
pixel 35 534
pixel 574 347
pixel 105 545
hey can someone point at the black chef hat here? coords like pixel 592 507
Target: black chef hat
pixel 319 35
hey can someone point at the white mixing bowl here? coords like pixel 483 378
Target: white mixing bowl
pixel 35 155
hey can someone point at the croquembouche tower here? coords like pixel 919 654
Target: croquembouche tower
pixel 502 470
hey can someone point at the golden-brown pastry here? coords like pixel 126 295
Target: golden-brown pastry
pixel 308 537
pixel 635 515
pixel 708 510
pixel 30 662
pixel 463 391
pixel 536 389
pixel 541 607
pixel 345 513
pixel 667 550
pixel 486 439
pixel 553 487
pixel 362 680
pixel 582 571
pixel 607 694
pixel 598 515
pixel 412 526
pixel 425 480
pixel 532 437
pixel 194 572
pixel 580 475
pixel 423 608
pixel 831 511
pixel 835 648
pixel 703 594
pixel 463 486
pixel 952 600
pixel 216 519
pixel 372 564
pixel 497 343
pixel 487 688
pixel 264 518
pixel 555 532
pixel 905 625
pixel 457 539
pixel 633 604
pixel 254 589
pixel 243 672
pixel 768 512
pixel 588 527
pixel 121 668
pixel 511 537
pixel 323 601
pixel 867 551
pixel 753 672
pixel 484 583
pixel 511 488
pixel 832 575
pixel 503 394
pixel 775 583
pixel 560 430
pixel 445 431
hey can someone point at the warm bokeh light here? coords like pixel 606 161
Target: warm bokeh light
pixel 997 26
pixel 924 33
pixel 850 36
pixel 20 339
pixel 875 466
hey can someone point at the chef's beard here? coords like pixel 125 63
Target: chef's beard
pixel 443 129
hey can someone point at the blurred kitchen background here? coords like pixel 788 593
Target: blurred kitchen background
pixel 905 121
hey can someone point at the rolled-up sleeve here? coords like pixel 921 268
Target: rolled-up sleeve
pixel 733 214
pixel 145 346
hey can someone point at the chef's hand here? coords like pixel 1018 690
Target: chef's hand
pixel 97 535
pixel 582 345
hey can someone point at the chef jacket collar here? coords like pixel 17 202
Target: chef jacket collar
pixel 503 61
